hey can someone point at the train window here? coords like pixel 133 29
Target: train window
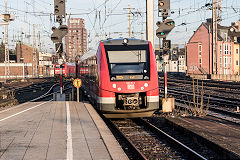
pixel 127 69
pixel 127 56
pixel 128 62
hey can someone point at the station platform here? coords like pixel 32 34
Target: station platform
pixel 56 130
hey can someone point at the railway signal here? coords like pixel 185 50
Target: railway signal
pixel 166 44
pixel 59 47
pixel 164 7
pixel 59 10
pixel 164 28
pixel 62 30
pixel 163 4
pixel 59 33
pixel 59 7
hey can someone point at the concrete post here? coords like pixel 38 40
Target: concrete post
pixel 78 94
pixel 150 21
pixel 61 88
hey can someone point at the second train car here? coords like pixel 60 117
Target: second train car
pixel 68 70
pixel 122 78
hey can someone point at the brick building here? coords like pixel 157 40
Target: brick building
pixel 76 39
pixel 199 50
pixel 23 65
pixel 17 70
pixel 25 53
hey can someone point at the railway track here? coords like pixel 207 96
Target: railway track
pixel 223 102
pixel 217 87
pixel 33 93
pixel 16 85
pixel 230 86
pixel 204 147
pixel 49 94
pixel 158 138
pixel 221 105
pixel 218 92
pixel 213 112
pixel 150 142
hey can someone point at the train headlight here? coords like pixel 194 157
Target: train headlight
pixel 130 101
pixel 145 84
pixel 119 89
pixel 146 77
pixel 142 88
pixel 114 85
pixel 135 101
pixel 125 41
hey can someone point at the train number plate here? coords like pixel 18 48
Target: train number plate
pixel 130 85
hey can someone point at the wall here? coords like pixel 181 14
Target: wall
pixel 27 53
pixel 181 63
pixel 229 68
pixel 226 77
pixel 192 58
pixel 16 70
pixel 201 36
pixel 236 58
pixel 173 66
pixel 218 77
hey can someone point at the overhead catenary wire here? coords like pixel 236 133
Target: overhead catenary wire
pixel 103 24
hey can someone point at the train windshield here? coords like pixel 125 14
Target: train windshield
pixel 128 62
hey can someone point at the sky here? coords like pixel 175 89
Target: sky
pixel 109 18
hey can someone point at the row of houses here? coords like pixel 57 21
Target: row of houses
pixel 198 57
pixel 199 50
pixel 176 61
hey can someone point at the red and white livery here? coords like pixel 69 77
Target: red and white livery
pixel 122 78
pixel 68 70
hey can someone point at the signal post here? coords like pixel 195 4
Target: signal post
pixel 59 33
pixel 164 28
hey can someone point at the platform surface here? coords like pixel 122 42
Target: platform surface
pixel 56 130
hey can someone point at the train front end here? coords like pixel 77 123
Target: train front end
pixel 128 79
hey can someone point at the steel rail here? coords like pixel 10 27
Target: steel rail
pixel 214 101
pixel 188 150
pixel 139 154
pixel 214 112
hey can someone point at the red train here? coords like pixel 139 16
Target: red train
pixel 121 78
pixel 68 70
